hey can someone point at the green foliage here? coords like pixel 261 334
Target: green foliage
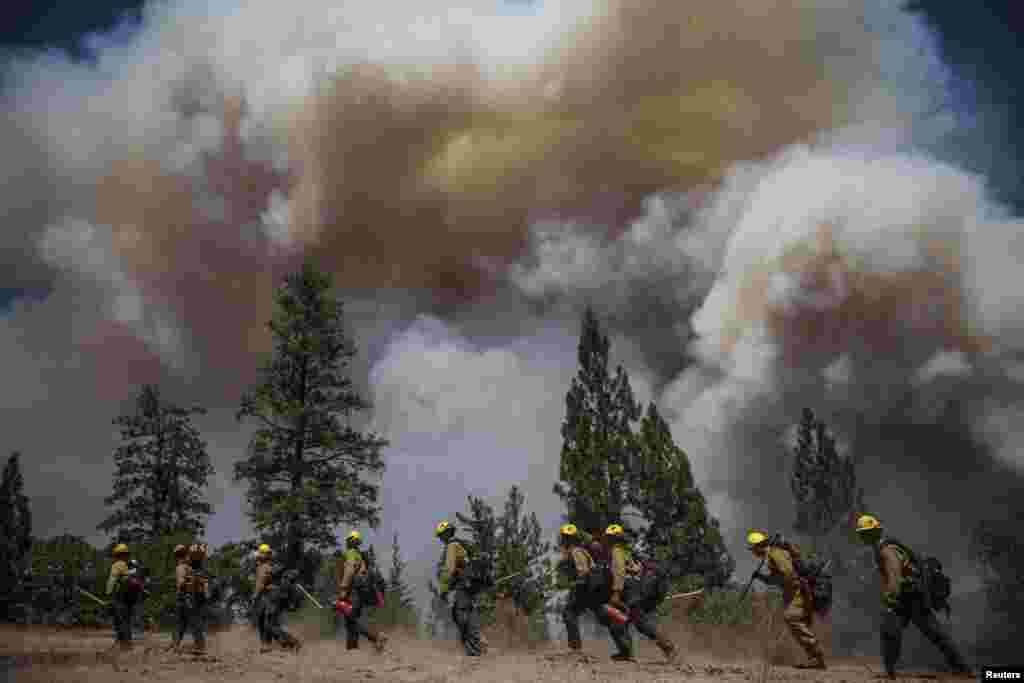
pixel 305 464
pixel 399 608
pixel 58 566
pixel 15 531
pixel 481 539
pixel 725 607
pixel 519 549
pixel 235 568
pixel 161 470
pixel 679 529
pixel 597 441
pixel 824 484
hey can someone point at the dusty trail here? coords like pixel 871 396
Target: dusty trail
pixel 721 654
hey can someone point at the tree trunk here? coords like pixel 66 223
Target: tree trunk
pixel 294 540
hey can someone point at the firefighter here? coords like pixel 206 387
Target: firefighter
pixel 120 601
pixel 588 589
pixel 903 600
pixel 196 590
pixel 181 574
pixel 643 612
pixel 624 571
pixel 268 604
pixel 796 596
pixel 353 578
pixel 465 608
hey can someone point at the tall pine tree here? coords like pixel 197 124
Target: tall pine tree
pixel 15 529
pixel 597 441
pixel 305 464
pixel 520 547
pixel 679 528
pixel 824 484
pixel 162 468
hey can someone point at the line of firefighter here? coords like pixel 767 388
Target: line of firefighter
pixel 592 585
pixel 904 599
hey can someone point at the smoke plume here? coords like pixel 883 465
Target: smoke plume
pixel 759 200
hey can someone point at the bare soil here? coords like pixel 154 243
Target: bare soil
pixel 721 654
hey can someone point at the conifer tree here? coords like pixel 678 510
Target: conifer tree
pixel 162 468
pixel 15 529
pixel 307 467
pixel 679 528
pixel 597 441
pixel 824 483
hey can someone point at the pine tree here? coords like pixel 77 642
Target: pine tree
pixel 306 464
pixel 481 540
pixel 598 445
pixel 679 528
pixel 520 547
pixel 824 484
pixel 161 470
pixel 15 529
pixel 398 589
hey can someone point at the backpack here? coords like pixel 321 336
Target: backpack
pixel 375 585
pixel 479 570
pixel 814 571
pixel 134 585
pixel 652 586
pixel 927 578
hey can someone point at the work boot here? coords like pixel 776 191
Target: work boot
pixel 125 645
pixel 622 657
pixel 669 650
pixel 265 648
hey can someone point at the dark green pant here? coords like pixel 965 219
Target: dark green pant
pixel 466 615
pixel 356 623
pixel 268 621
pixel 121 613
pixel 913 610
pixel 581 601
pixel 191 614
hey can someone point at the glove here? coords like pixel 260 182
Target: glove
pixel 890 602
pixel 444 595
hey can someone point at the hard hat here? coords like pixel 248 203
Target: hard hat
pixel 443 528
pixel 179 550
pixel 755 538
pixel 568 530
pixel 868 523
pixel 614 530
pixel 120 549
pixel 354 537
pixel 264 549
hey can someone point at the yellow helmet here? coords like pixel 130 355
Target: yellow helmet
pixel 264 549
pixel 120 549
pixel 868 523
pixel 179 550
pixel 756 538
pixel 443 528
pixel 354 537
pixel 568 530
pixel 614 530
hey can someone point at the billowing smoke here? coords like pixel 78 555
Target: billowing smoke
pixel 749 196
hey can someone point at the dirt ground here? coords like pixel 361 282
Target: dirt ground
pixel 719 654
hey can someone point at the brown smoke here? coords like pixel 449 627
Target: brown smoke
pixel 414 185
